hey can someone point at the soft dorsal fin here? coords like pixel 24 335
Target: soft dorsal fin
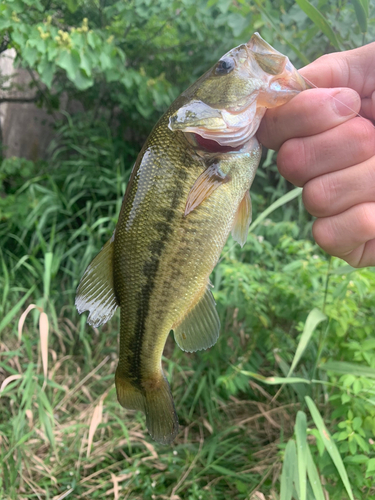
pixel 95 292
pixel 242 220
pixel 200 326
pixel 204 186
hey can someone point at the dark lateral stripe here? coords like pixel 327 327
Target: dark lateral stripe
pixel 150 269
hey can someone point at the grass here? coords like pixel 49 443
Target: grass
pixel 47 450
pixel 65 436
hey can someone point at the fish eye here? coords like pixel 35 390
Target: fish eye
pixel 224 66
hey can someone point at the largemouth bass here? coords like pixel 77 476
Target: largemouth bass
pixel 188 190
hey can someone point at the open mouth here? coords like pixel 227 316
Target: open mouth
pixel 213 146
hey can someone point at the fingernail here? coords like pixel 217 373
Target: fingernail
pixel 346 102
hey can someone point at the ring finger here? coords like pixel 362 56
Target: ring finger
pixel 335 192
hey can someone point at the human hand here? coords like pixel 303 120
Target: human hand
pixel 330 151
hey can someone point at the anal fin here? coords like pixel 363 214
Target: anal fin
pixel 95 292
pixel 199 328
pixel 242 220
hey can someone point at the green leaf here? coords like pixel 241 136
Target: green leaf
pixel 313 319
pixel 348 368
pixel 365 5
pixel 227 472
pixel 361 14
pixel 275 380
pixel 314 479
pixel 238 23
pixel 105 61
pixel 72 5
pixel 343 270
pixel 300 430
pixel 319 20
pixel 70 61
pixel 46 70
pixel 280 32
pixel 289 468
pixel 82 81
pixel 30 55
pixel 330 445
pixel 277 204
pixel 85 63
pixel 370 470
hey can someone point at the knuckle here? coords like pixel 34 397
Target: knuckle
pixel 324 235
pixel 366 219
pixel 318 194
pixel 363 133
pixel 291 160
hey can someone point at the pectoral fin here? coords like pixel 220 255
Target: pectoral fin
pixel 242 220
pixel 95 292
pixel 204 186
pixel 199 328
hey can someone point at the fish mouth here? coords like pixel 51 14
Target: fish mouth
pixel 212 146
pixel 221 130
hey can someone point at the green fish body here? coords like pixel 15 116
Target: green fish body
pixel 188 190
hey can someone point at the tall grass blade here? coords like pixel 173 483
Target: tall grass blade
pixel 294 193
pixel 348 368
pixel 314 479
pixel 287 474
pixel 330 445
pixel 8 317
pixel 361 15
pixel 47 274
pixel 275 380
pixel 313 319
pixel 300 430
pixel 319 20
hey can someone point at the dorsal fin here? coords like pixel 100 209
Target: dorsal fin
pixel 95 292
pixel 200 326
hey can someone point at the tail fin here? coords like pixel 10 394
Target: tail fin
pixel 155 401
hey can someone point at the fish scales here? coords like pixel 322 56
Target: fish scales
pixel 188 190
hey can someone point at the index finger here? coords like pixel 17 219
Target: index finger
pixel 311 112
pixel 353 68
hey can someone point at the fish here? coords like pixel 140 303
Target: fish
pixel 188 190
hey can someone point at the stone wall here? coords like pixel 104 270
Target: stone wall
pixel 26 130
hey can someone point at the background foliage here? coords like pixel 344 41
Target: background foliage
pixel 297 342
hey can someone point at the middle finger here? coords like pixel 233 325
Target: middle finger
pixel 300 160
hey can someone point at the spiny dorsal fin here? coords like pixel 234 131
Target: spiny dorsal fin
pixel 95 292
pixel 204 186
pixel 242 220
pixel 200 326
